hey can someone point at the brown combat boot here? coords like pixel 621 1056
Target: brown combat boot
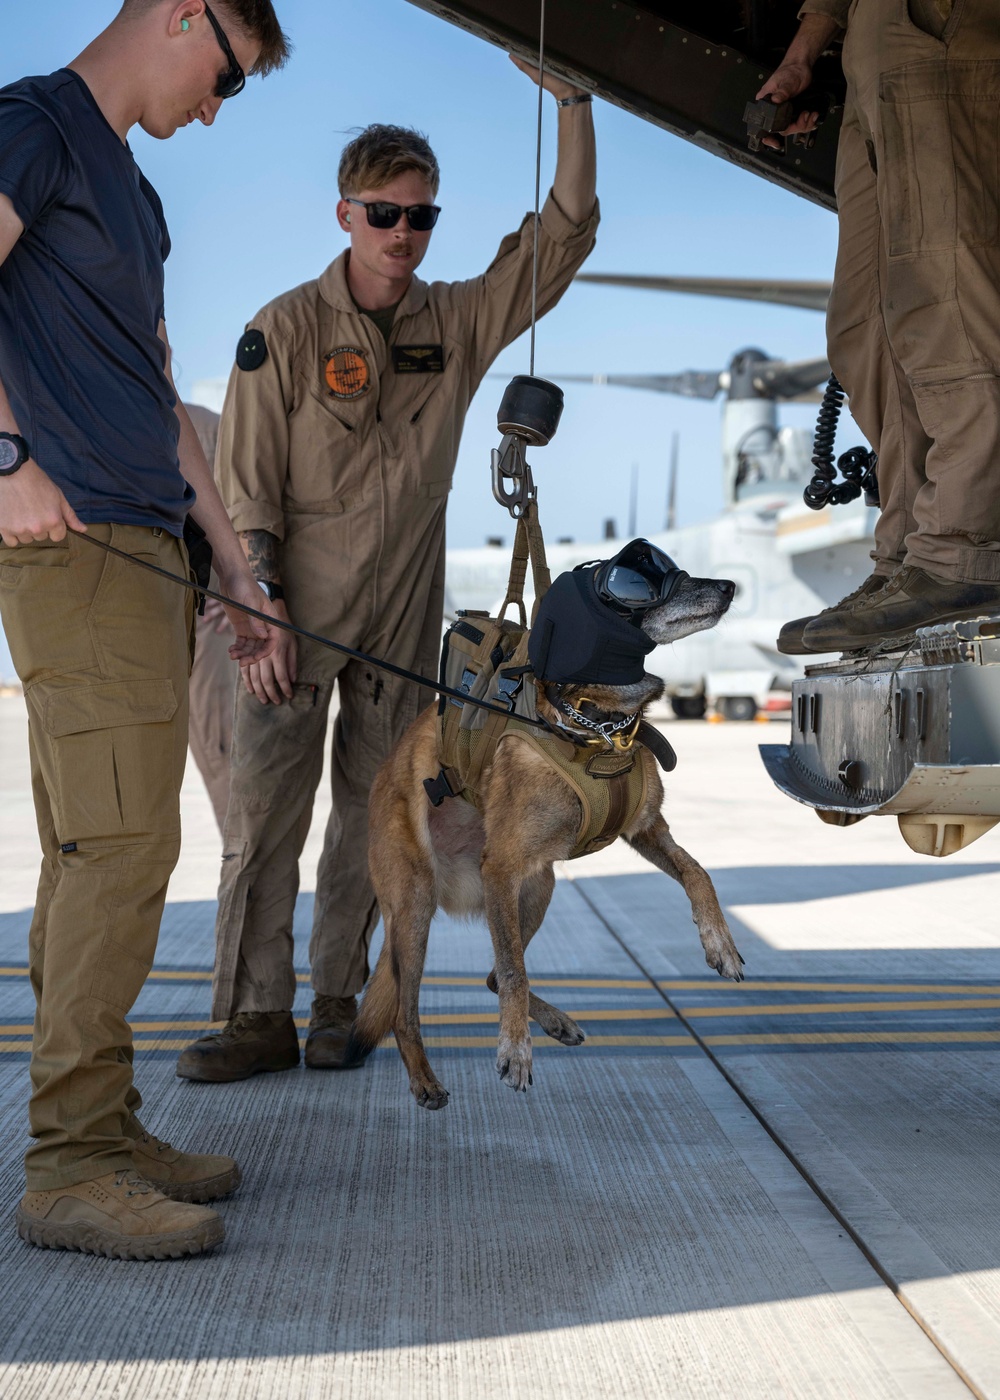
pixel 329 1032
pixel 253 1042
pixel 183 1176
pixel 120 1216
pixel 790 639
pixel 912 598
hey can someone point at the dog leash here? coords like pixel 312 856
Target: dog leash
pixel 193 587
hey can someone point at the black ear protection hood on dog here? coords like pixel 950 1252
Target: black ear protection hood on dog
pixel 588 629
pixel 588 626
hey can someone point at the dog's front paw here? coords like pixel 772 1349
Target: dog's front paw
pixel 722 953
pixel 514 1062
pixel 428 1093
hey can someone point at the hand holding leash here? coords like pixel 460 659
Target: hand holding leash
pixel 32 508
pixel 273 679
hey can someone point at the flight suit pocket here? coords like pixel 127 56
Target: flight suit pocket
pixel 327 440
pixel 432 423
pixel 939 156
pixel 109 752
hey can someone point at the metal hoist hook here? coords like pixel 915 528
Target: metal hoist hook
pixel 529 416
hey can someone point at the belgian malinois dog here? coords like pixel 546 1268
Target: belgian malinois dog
pixel 497 860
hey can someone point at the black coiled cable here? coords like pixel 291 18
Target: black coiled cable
pixel 857 466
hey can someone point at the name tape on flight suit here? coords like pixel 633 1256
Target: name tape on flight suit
pixel 418 359
pixel 347 372
pixel 252 350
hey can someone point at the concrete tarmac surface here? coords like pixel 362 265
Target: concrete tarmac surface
pixel 783 1188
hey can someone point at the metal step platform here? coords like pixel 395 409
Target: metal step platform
pixel 911 732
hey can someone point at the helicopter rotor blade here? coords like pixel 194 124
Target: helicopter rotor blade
pixel 811 296
pixel 690 384
pixel 777 380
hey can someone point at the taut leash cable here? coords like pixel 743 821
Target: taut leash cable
pixel 193 587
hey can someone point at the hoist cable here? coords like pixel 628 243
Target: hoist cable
pixel 538 187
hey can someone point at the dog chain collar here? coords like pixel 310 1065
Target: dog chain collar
pixel 618 734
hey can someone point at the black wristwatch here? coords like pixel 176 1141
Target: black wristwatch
pixel 272 591
pixel 14 452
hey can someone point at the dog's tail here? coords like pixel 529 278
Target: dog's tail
pixel 377 1013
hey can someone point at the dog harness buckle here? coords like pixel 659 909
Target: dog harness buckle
pixel 444 785
pixel 508 689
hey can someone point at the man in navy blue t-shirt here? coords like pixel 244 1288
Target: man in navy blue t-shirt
pixel 93 440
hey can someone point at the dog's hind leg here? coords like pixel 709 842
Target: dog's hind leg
pixel 407 926
pixel 534 900
pixel 659 847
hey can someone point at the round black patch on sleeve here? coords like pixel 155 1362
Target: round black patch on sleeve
pixel 252 350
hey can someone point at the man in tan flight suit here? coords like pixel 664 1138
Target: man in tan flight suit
pixel 339 438
pixel 211 691
pixel 914 317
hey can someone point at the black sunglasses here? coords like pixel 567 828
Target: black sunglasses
pixel 420 217
pixel 233 79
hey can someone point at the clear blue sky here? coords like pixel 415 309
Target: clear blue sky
pixel 250 205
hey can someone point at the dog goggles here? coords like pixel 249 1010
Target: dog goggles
pixel 232 80
pixel 420 217
pixel 638 578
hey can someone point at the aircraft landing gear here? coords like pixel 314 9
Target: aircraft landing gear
pixel 739 707
pixel 688 706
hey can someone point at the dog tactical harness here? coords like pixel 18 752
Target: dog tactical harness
pixel 487 658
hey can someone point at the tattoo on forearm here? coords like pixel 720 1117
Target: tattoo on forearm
pixel 262 554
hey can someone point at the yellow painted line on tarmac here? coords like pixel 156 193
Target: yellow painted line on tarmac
pixel 179 976
pixel 438 1042
pixel 929 1038
pixel 474 1042
pixel 716 984
pixel 831 1008
pixel 468 1018
pixel 601 984
pixel 860 1038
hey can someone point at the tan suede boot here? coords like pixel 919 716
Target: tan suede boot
pixel 120 1216
pixel 183 1176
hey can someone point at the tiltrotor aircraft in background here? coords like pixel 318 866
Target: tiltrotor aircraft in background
pixel 787 560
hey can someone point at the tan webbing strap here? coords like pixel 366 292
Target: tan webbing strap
pixel 536 549
pixel 618 805
pixel 486 740
pixel 528 545
pixel 518 573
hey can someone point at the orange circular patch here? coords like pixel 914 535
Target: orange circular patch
pixel 347 373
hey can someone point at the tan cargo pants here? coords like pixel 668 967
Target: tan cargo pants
pixel 278 753
pixel 103 651
pixel 914 319
pixel 214 678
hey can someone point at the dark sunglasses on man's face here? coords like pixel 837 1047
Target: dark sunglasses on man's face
pixel 232 80
pixel 420 217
